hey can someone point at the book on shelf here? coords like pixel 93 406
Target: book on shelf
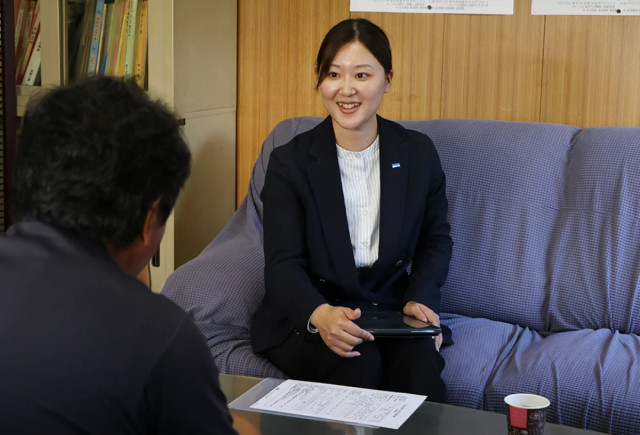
pixel 26 31
pixel 34 34
pixel 82 40
pixel 96 37
pixel 20 8
pixel 31 76
pixel 109 15
pixel 141 45
pixel 113 44
pixel 130 50
pixel 118 69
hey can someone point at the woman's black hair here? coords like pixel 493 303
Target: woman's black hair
pixel 346 32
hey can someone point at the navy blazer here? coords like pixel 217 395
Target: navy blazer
pixel 308 253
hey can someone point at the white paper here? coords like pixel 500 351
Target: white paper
pixel 494 7
pixel 338 403
pixel 585 7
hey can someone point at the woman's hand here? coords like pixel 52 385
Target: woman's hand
pixel 336 327
pixel 426 314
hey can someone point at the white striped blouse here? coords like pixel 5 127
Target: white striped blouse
pixel 360 175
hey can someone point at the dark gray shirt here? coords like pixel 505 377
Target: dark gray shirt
pixel 85 348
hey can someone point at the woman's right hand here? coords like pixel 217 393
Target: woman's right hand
pixel 336 327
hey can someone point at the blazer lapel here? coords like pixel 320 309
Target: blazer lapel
pixel 394 174
pixel 324 177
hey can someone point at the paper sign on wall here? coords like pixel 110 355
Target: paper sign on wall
pixel 485 7
pixel 585 7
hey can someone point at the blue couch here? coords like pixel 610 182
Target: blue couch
pixel 543 295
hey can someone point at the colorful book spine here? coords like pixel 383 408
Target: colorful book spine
pixel 84 39
pixel 129 56
pixel 33 67
pixel 114 37
pixel 109 13
pixel 122 42
pixel 21 17
pixel 33 33
pixel 24 37
pixel 141 49
pixel 94 48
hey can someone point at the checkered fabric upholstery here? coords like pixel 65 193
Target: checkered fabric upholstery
pixel 543 290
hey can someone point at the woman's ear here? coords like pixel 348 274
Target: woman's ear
pixel 389 78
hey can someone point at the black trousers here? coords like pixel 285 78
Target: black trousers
pixel 408 365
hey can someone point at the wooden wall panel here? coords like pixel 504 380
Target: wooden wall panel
pixel 592 71
pixel 416 46
pixel 278 41
pixel 493 65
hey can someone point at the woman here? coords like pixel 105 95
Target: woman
pixel 354 218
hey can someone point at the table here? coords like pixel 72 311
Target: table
pixel 430 418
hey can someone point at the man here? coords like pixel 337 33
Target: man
pixel 84 346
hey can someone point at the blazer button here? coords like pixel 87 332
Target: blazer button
pixel 374 303
pixel 399 263
pixel 322 280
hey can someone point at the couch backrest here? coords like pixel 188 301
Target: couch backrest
pixel 594 261
pixel 505 186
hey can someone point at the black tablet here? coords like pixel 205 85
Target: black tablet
pixel 394 323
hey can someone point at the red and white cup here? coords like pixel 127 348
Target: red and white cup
pixel 526 413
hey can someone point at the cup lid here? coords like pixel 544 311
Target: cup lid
pixel 528 401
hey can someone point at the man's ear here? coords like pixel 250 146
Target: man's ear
pixel 151 222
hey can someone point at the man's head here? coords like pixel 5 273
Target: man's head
pixel 96 158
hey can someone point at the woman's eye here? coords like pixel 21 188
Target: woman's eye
pixel 361 75
pixel 333 75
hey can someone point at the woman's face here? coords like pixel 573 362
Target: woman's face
pixel 353 89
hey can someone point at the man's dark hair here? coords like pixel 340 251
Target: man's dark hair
pixel 94 156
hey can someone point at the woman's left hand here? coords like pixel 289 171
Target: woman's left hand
pixel 426 314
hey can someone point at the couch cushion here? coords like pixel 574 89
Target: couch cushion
pixel 469 364
pixel 504 184
pixel 223 286
pixel 595 258
pixel 590 377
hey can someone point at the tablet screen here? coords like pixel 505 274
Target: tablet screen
pixel 394 323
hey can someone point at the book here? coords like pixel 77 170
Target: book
pixel 141 48
pixel 113 40
pixel 102 36
pixel 34 30
pixel 74 11
pixel 110 11
pixel 83 37
pixel 130 50
pixel 96 31
pixel 24 35
pixel 31 72
pixel 118 69
pixel 20 12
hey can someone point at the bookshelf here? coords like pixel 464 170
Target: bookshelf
pixel 191 66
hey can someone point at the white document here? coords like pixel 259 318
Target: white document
pixel 585 7
pixel 493 7
pixel 338 403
